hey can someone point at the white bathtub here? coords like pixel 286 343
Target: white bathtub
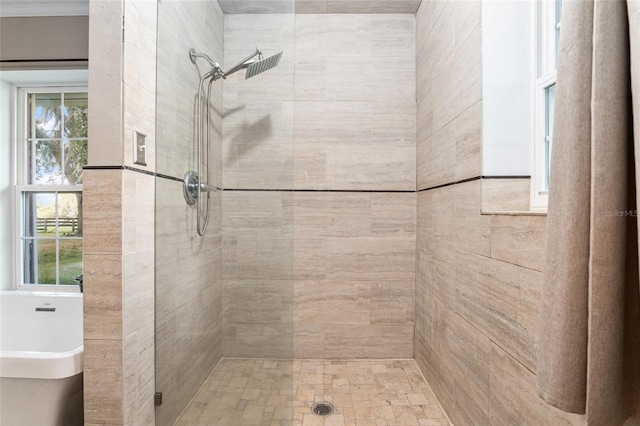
pixel 41 351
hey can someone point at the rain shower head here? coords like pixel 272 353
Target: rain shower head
pixel 262 65
pixel 254 67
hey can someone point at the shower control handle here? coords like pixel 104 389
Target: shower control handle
pixel 191 186
pixel 207 188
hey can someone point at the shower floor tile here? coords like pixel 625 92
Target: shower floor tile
pixel 249 392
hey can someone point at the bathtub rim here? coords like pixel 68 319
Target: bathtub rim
pixel 41 365
pixel 44 292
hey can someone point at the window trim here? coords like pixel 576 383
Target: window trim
pixel 539 192
pixel 546 38
pixel 19 133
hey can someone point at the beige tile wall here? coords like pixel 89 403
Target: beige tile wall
pixel 139 78
pixel 344 92
pixel 200 24
pixel 118 271
pixel 477 311
pixel 105 83
pixel 188 299
pixel 257 271
pixel 118 217
pixel 259 112
pixel 355 102
pixel 478 277
pixel 354 257
pixel 320 273
pixel 448 79
pixel 188 267
pixel 506 195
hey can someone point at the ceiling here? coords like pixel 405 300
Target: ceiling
pixel 320 6
pixel 14 8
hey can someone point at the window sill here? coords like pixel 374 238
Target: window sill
pixel 43 288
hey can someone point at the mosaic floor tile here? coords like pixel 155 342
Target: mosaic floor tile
pixel 248 392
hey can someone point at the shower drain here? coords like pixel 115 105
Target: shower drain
pixel 322 409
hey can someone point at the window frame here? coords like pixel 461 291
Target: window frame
pixel 547 28
pixel 21 187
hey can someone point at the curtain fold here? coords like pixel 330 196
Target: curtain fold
pixel 589 331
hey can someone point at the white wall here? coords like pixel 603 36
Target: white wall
pixel 508 69
pixel 53 38
pixel 6 240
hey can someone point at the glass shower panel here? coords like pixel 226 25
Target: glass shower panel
pixel 226 296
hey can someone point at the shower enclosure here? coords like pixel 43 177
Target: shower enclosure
pixel 225 293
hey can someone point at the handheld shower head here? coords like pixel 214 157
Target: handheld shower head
pixel 262 65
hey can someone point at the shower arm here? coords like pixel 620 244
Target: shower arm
pixel 193 55
pixel 243 63
pixel 215 72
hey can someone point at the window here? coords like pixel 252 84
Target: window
pixel 51 151
pixel 548 32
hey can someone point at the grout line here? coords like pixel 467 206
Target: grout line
pixel 490 387
pixel 490 257
pixel 434 394
pixel 199 388
pixel 512 356
pixel 322 362
pixel 434 22
pixel 450 121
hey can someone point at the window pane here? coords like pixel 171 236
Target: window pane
pixel 40 214
pixel 75 156
pixel 75 115
pixel 48 161
pixel 550 101
pixel 51 244
pixel 70 260
pixel 47 115
pixel 45 261
pixel 69 214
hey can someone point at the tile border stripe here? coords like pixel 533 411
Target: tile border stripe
pixel 400 191
pixel 471 179
pixel 320 190
pixel 129 168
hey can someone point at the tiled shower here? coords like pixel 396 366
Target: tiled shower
pixel 347 224
pixel 310 253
